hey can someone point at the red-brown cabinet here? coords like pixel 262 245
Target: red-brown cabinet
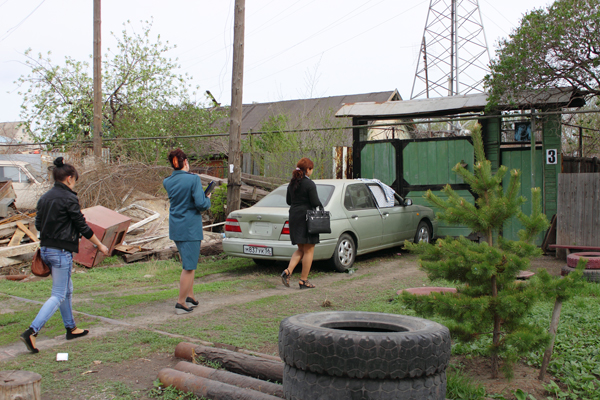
pixel 109 227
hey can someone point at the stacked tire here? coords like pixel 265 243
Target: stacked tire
pixel 363 355
pixel 592 268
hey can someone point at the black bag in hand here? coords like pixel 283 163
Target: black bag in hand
pixel 318 221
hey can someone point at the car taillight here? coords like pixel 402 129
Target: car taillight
pixel 232 225
pixel 286 228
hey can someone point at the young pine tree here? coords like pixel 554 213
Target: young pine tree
pixel 489 300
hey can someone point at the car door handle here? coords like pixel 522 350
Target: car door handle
pixel 354 216
pixel 385 215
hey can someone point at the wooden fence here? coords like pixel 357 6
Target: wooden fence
pixel 578 165
pixel 578 216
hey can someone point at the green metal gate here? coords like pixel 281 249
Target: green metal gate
pixel 422 164
pixel 521 159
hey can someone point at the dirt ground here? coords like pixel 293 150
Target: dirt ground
pixel 383 269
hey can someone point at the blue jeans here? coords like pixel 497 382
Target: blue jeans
pixel 61 264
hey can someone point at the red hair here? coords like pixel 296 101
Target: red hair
pixel 176 158
pixel 300 172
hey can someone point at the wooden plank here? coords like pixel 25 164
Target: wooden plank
pixel 30 234
pixel 8 229
pixel 443 176
pixel 16 238
pixel 595 220
pixel 566 246
pixel 19 250
pixel 7 261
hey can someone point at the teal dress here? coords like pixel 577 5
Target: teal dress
pixel 187 200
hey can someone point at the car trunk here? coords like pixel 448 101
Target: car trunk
pixel 261 223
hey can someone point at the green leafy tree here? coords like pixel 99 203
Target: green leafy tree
pixel 554 47
pixel 489 300
pixel 143 95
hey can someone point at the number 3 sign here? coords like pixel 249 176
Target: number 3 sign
pixel 551 156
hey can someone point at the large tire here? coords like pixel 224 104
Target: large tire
pixel 364 345
pixel 592 257
pixel 344 253
pixel 423 233
pixel 300 385
pixel 592 275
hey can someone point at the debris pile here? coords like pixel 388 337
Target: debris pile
pixel 146 237
pixel 18 243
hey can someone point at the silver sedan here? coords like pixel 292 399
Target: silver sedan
pixel 366 216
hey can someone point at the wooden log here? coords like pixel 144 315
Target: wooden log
pixel 30 234
pixel 186 350
pixel 20 385
pixel 257 367
pixel 552 331
pixel 207 388
pixel 16 238
pixel 230 378
pixel 19 250
pixel 15 277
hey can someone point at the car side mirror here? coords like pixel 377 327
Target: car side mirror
pixel 407 202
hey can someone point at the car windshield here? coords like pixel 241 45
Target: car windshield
pixel 38 177
pixel 277 197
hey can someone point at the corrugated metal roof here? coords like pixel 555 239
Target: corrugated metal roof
pixel 307 112
pixel 452 104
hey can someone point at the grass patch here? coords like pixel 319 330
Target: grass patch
pixel 121 306
pixel 14 323
pixel 152 274
pixel 460 386
pixel 58 376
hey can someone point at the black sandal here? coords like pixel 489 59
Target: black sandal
pixel 285 277
pixel 305 284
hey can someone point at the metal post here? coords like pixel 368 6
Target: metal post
pixel 580 141
pixel 234 180
pixel 97 138
pixel 532 148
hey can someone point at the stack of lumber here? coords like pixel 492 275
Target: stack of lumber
pixel 252 189
pixel 18 240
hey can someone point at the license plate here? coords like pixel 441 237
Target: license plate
pixel 259 251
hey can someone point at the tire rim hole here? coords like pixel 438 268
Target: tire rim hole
pixel 364 327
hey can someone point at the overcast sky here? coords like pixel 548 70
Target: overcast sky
pixel 294 48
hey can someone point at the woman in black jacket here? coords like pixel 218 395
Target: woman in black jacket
pixel 60 223
pixel 301 196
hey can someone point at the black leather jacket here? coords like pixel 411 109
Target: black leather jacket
pixel 59 219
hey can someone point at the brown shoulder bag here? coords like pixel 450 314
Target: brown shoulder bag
pixel 38 266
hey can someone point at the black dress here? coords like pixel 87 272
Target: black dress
pixel 302 199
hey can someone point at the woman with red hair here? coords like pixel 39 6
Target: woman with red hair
pixel 301 196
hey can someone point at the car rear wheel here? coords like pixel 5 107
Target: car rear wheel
pixel 423 233
pixel 344 253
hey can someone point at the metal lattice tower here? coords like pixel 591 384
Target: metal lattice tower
pixel 454 55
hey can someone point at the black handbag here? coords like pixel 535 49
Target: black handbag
pixel 318 221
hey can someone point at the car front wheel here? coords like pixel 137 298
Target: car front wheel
pixel 423 233
pixel 344 254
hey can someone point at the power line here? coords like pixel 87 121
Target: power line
pixel 379 125
pixel 11 30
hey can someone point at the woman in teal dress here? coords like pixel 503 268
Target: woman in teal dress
pixel 187 200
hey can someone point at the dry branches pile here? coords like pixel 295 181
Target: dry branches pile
pixel 110 185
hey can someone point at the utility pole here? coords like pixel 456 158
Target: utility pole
pixel 234 180
pixel 97 131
